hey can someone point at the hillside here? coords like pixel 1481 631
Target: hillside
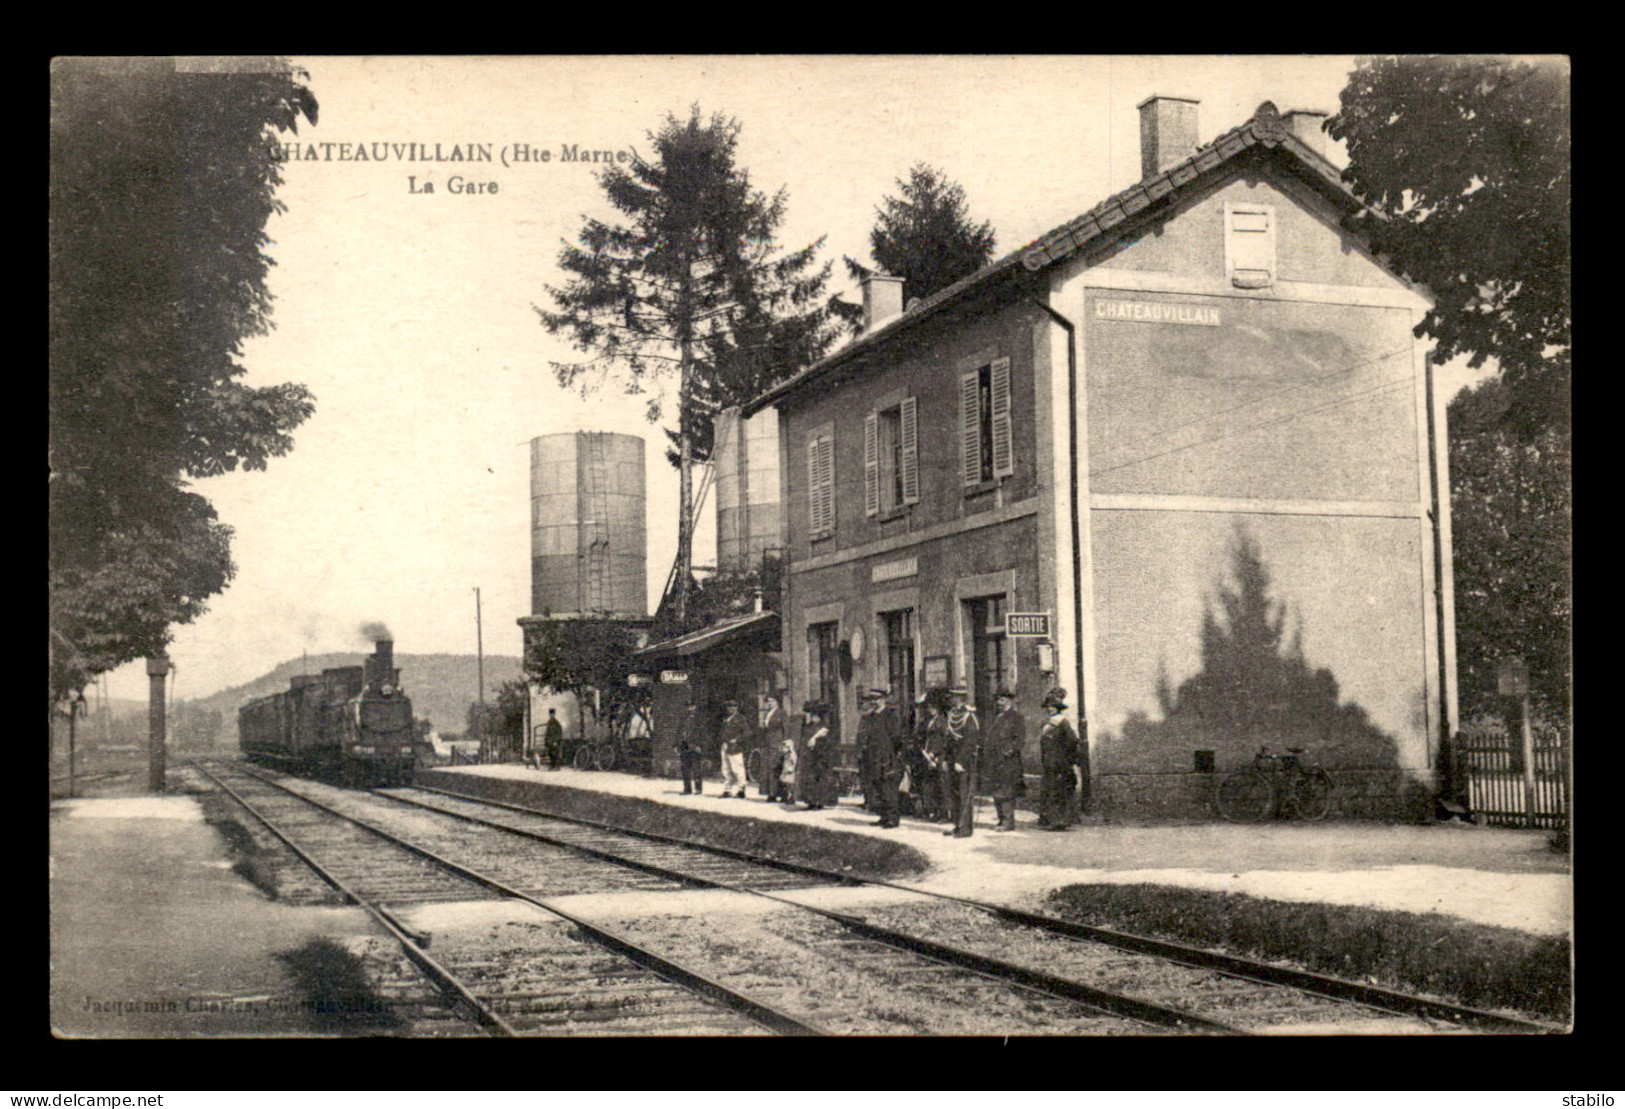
pixel 441 686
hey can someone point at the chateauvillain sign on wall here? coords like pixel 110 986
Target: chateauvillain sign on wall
pixel 1146 311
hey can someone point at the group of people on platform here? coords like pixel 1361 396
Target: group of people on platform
pixel 937 769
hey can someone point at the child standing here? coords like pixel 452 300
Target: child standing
pixel 784 784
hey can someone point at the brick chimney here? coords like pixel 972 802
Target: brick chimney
pixel 882 300
pixel 1168 133
pixel 1305 124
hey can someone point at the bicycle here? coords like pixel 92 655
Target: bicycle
pixel 1273 784
pixel 599 754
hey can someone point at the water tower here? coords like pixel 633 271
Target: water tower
pixel 748 512
pixel 588 542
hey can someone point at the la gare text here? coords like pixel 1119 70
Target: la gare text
pixel 457 185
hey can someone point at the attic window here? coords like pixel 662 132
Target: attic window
pixel 1249 245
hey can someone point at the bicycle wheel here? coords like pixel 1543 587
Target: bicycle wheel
pixel 582 760
pixel 1313 795
pixel 603 756
pixel 753 768
pixel 1245 797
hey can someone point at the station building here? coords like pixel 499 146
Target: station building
pixel 1180 455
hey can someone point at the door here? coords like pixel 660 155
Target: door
pixel 987 655
pixel 899 627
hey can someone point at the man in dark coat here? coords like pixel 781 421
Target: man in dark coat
pixel 553 739
pixel 962 762
pixel 878 761
pixel 770 744
pixel 1058 749
pixel 690 748
pixel 1001 760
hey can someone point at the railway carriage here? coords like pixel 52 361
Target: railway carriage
pixel 352 724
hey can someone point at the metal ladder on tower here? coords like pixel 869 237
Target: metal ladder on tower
pixel 595 529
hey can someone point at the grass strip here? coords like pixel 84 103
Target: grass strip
pixel 773 839
pixel 1473 964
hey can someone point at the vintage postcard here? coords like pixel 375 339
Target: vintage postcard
pixel 746 545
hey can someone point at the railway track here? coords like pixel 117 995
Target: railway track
pixel 775 966
pixel 1220 992
pixel 539 971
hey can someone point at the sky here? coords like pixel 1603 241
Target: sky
pixel 410 314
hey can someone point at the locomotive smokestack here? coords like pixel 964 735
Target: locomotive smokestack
pixel 385 654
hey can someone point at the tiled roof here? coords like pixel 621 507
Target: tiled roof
pixel 1263 129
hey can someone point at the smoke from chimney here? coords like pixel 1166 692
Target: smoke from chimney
pixel 375 630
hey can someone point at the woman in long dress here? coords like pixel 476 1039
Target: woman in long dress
pixel 813 761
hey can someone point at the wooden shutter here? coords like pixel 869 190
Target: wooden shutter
pixel 1004 463
pixel 908 431
pixel 820 486
pixel 826 479
pixel 871 464
pixel 1250 245
pixel 970 429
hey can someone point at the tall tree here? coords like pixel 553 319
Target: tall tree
pixel 926 235
pixel 1465 160
pixel 694 286
pixel 161 184
pixel 1511 521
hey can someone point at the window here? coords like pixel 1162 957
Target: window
pixel 821 484
pixel 985 450
pixel 891 459
pixel 1249 245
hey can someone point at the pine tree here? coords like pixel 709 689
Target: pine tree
pixel 693 286
pixel 925 235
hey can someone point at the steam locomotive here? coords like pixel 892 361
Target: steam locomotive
pixel 352 724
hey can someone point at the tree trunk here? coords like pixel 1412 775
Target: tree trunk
pixel 685 484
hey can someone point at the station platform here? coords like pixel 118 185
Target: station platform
pixel 1486 875
pixel 154 936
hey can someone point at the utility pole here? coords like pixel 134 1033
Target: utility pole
pixel 479 647
pixel 76 709
pixel 157 670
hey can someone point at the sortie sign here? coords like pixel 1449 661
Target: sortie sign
pixel 1026 623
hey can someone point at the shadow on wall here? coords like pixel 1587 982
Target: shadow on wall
pixel 1254 689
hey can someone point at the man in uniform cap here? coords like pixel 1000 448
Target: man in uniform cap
pixel 689 749
pixel 733 737
pixel 961 762
pixel 1001 759
pixel 878 763
pixel 1058 749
